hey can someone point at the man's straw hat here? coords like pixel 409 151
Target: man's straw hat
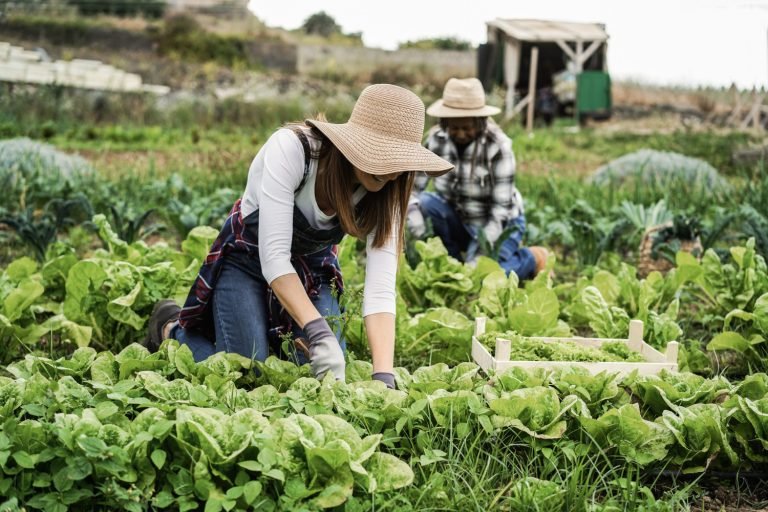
pixel 462 97
pixel 384 132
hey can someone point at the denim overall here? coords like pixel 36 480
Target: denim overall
pixel 231 307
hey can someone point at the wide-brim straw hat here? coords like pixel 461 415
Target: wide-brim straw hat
pixel 462 97
pixel 384 132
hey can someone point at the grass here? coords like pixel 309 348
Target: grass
pixel 576 153
pixel 460 467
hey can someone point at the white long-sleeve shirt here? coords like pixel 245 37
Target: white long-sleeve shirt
pixel 275 174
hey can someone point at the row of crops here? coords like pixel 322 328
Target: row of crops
pixel 134 429
pixel 93 421
pixel 89 418
pixel 104 300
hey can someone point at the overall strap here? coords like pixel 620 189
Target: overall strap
pixel 307 153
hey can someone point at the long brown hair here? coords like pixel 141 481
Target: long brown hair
pixel 378 212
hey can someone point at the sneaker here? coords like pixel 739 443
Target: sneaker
pixel 164 312
pixel 541 255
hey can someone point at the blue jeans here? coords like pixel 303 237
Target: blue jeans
pixel 459 237
pixel 241 317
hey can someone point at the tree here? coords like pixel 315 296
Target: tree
pixel 322 24
pixel 438 43
pixel 124 8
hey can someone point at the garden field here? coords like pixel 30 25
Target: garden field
pixel 110 203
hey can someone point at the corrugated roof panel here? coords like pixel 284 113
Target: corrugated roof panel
pixel 548 30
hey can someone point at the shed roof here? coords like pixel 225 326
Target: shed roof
pixel 548 30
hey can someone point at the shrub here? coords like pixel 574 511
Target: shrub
pixel 184 37
pixel 662 170
pixel 33 171
pixel 438 43
pixel 124 8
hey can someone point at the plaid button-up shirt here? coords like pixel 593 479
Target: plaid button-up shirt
pixel 482 184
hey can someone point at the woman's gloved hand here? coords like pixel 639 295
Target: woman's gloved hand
pixel 325 353
pixel 386 378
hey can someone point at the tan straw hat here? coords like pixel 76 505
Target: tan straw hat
pixel 462 97
pixel 383 134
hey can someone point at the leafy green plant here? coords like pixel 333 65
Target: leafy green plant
pixel 131 228
pixel 437 280
pixel 642 218
pixel 663 169
pixel 39 230
pixel 492 250
pixel 701 436
pixel 593 234
pixel 667 242
pixel 32 173
pixel 661 392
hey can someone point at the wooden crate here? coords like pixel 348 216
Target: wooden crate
pixel 655 360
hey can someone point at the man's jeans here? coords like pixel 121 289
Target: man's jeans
pixel 241 316
pixel 461 238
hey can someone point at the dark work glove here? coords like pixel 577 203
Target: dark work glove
pixel 325 353
pixel 386 378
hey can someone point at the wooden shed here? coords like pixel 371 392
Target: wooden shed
pixel 523 52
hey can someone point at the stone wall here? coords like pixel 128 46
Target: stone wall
pixel 273 55
pixel 27 66
pixel 441 64
pixel 48 34
pixel 341 61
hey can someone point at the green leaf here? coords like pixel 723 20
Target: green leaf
pixel 251 465
pixel 83 290
pixel 20 269
pixel 609 286
pixel 185 361
pixel 23 296
pixel 158 458
pixel 199 241
pixel 163 499
pixel 234 492
pixel 536 315
pixel 23 459
pixel 730 341
pixel 122 309
pixel 389 471
pixel 93 447
pixel 251 491
pixel 78 468
pixel 636 439
pixel 106 409
pixel 332 496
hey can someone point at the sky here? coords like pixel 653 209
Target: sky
pixel 664 42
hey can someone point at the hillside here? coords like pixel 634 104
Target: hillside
pixel 205 54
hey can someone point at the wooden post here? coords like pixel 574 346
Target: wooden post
pixel 479 326
pixel 509 102
pixel 588 53
pixel 635 335
pixel 503 349
pixel 579 56
pixel 532 87
pixel 736 112
pixel 754 112
pixel 671 353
